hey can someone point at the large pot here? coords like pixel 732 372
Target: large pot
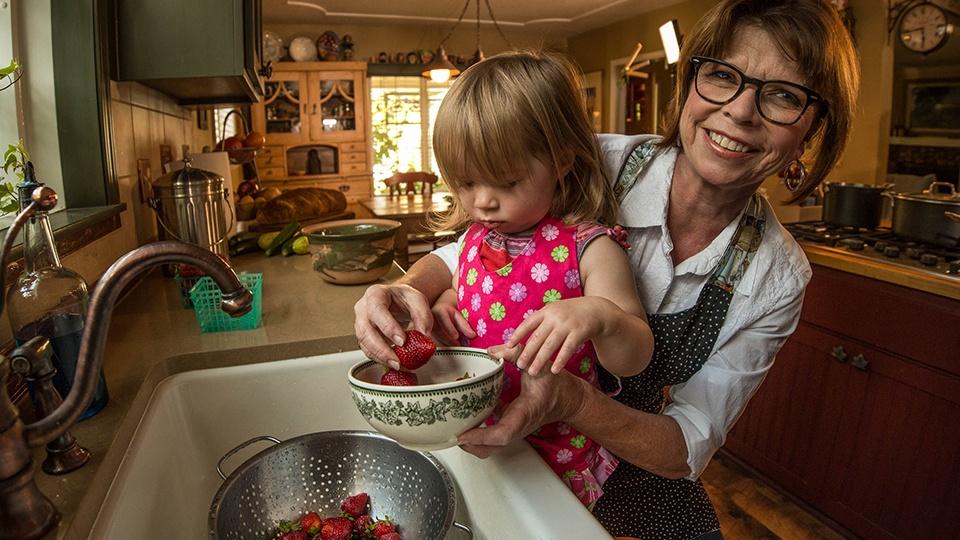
pixel 852 205
pixel 931 216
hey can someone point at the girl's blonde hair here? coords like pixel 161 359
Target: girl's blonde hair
pixel 512 107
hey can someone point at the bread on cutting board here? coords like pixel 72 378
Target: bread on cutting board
pixel 301 204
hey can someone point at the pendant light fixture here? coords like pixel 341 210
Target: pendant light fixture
pixel 440 68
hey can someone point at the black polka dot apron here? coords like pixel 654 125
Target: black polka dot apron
pixel 638 503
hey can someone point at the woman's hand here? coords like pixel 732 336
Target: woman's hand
pixel 450 323
pixel 556 332
pixel 379 313
pixel 542 400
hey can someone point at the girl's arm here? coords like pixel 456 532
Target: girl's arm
pixel 609 314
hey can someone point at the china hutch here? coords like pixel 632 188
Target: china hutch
pixel 314 117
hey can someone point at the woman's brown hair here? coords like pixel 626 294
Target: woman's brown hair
pixel 810 33
pixel 512 107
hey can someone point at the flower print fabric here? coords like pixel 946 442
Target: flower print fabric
pixel 497 295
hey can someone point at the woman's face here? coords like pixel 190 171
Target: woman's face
pixel 731 146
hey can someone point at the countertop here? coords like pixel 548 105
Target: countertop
pixel 849 261
pixel 152 336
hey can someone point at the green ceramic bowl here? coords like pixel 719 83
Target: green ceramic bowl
pixel 352 251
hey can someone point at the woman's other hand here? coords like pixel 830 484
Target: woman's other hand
pixel 544 399
pixel 556 332
pixel 379 314
pixel 450 324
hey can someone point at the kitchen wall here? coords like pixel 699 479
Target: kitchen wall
pixel 865 159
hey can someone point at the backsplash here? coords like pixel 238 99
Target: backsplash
pixel 941 161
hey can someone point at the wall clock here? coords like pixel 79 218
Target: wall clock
pixel 924 28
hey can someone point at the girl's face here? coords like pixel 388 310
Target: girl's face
pixel 731 146
pixel 514 207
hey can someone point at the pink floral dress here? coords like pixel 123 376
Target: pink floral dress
pixel 496 298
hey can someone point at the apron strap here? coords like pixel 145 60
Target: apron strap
pixel 743 246
pixel 633 168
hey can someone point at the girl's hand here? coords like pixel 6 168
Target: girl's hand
pixel 556 331
pixel 449 323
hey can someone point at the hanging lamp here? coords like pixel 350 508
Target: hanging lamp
pixel 440 68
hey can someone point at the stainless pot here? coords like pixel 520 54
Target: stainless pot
pixel 852 205
pixel 931 216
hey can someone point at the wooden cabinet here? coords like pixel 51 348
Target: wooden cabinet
pixel 855 420
pixel 314 117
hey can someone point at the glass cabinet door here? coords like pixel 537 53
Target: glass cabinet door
pixel 284 105
pixel 332 109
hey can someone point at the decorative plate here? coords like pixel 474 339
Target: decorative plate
pixel 272 47
pixel 302 49
pixel 328 45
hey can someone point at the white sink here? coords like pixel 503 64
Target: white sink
pixel 167 478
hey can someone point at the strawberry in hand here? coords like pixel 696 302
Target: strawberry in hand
pixel 415 351
pixel 394 377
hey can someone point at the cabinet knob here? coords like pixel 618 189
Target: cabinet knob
pixel 860 362
pixel 839 353
pixel 344 187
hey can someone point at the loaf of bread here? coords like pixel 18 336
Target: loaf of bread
pixel 301 204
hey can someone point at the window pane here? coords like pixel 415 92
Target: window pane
pixel 398 125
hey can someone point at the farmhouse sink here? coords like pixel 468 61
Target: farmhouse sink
pixel 167 476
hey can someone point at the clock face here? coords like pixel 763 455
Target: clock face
pixel 924 28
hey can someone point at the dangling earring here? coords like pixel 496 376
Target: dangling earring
pixel 794 175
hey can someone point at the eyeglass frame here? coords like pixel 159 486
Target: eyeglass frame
pixel 812 96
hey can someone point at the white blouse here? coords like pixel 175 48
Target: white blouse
pixel 763 312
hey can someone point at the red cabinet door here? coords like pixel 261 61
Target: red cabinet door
pixel 895 467
pixel 789 428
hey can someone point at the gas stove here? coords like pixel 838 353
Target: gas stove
pixel 882 245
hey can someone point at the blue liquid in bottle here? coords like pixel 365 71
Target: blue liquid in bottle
pixel 64 332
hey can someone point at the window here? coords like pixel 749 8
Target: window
pixel 402 113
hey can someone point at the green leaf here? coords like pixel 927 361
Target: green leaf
pixel 12 67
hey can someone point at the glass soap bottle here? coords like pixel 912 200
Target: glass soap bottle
pixel 50 299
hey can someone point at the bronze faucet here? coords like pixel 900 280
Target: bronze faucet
pixel 25 513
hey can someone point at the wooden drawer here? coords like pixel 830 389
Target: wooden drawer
pixel 353 168
pixel 275 160
pixel 904 321
pixel 271 173
pixel 354 189
pixel 270 151
pixel 353 147
pixel 353 157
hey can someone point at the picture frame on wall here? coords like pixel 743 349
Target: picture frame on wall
pixel 593 94
pixel 933 108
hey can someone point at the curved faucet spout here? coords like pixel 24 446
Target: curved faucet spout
pixel 237 300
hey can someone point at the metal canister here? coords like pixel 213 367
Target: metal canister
pixel 192 206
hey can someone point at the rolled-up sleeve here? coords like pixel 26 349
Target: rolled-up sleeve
pixel 711 401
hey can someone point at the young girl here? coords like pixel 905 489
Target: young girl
pixel 536 271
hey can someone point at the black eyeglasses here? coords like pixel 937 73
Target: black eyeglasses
pixel 780 102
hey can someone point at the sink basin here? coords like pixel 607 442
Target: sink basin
pixel 167 476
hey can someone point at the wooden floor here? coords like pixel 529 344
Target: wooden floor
pixel 748 508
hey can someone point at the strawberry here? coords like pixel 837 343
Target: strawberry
pixel 311 522
pixel 355 505
pixel 383 527
pixel 415 351
pixel 338 528
pixel 399 378
pixel 362 526
pixel 390 536
pixel 294 535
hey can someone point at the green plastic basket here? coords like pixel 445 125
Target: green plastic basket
pixel 206 297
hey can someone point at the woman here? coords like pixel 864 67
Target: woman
pixel 758 82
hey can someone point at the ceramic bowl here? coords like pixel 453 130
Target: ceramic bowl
pixel 352 251
pixel 431 415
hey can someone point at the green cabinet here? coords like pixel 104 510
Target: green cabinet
pixel 196 51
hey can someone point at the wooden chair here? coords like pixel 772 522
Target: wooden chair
pixel 406 183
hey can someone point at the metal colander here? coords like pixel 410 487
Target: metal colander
pixel 315 472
